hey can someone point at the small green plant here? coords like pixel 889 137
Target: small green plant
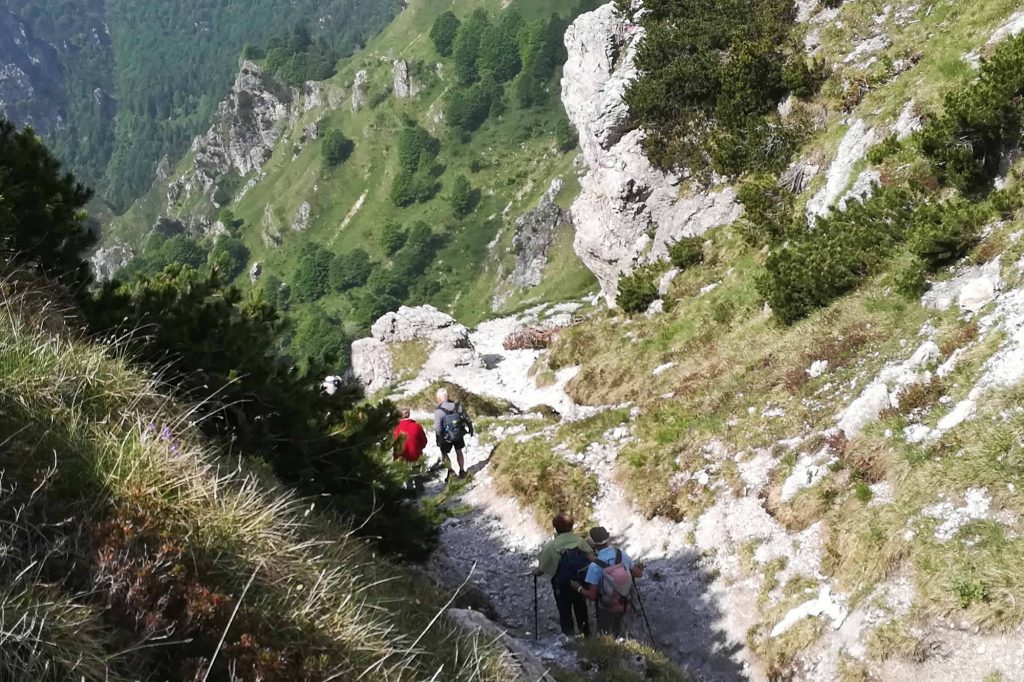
pixel 686 252
pixel 638 290
pixel 862 491
pixel 969 590
pixel 886 148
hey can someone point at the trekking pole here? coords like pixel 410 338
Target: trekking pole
pixel 536 620
pixel 643 611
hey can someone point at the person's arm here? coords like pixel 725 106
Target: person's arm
pixel 588 588
pixel 547 561
pixel 421 437
pixel 636 568
pixel 438 425
pixel 589 591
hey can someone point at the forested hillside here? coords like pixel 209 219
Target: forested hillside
pixel 411 176
pixel 125 83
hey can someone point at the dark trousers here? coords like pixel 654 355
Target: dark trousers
pixel 571 603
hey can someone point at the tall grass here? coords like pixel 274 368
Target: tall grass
pixel 130 542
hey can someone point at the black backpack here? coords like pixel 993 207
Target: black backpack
pixel 453 425
pixel 572 565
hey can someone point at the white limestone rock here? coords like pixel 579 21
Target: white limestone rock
pixel 359 97
pixel 972 289
pixel 107 260
pixel 824 605
pixel 865 409
pixel 909 122
pixel 853 147
pixel 403 84
pixel 448 340
pixel 623 197
pixel 301 220
pixel 371 364
pixel 245 130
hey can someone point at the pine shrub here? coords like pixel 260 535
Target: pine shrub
pixel 821 264
pixel 768 210
pixel 967 142
pixel 944 233
pixel 638 290
pixel 686 252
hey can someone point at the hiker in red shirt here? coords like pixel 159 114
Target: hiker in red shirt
pixel 410 438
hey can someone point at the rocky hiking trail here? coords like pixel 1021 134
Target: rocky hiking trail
pixel 493 541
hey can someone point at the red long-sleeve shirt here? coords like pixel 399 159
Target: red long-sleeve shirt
pixel 414 442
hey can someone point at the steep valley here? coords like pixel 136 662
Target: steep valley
pixel 786 374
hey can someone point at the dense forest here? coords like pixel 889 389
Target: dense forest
pixel 140 80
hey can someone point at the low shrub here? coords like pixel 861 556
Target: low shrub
pixel 967 142
pixel 818 265
pixel 686 252
pixel 768 210
pixel 638 290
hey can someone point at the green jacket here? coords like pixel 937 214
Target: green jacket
pixel 552 552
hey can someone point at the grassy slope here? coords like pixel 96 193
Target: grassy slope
pixel 84 441
pixel 738 379
pixel 517 152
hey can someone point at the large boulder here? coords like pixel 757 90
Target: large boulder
pixel 107 260
pixel 447 340
pixel 403 84
pixel 359 86
pixel 628 211
pixel 422 322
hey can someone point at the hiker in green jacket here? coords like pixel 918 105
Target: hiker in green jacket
pixel 564 559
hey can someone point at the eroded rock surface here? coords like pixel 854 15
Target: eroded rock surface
pixel 628 211
pixel 534 236
pixel 402 83
pixel 245 129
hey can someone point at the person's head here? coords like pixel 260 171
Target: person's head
pixel 598 537
pixel 405 412
pixel 563 523
pixel 442 395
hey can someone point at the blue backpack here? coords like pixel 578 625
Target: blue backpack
pixel 453 426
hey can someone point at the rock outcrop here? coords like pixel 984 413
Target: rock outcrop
pixel 448 341
pixel 403 85
pixel 359 90
pixel 853 147
pixel 534 235
pixel 246 127
pixel 107 260
pixel 520 663
pixel 628 211
pixel 301 220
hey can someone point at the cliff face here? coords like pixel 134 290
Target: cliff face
pixel 30 77
pixel 628 211
pixel 247 125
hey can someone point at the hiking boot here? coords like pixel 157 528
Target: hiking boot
pixel 462 474
pixel 448 475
